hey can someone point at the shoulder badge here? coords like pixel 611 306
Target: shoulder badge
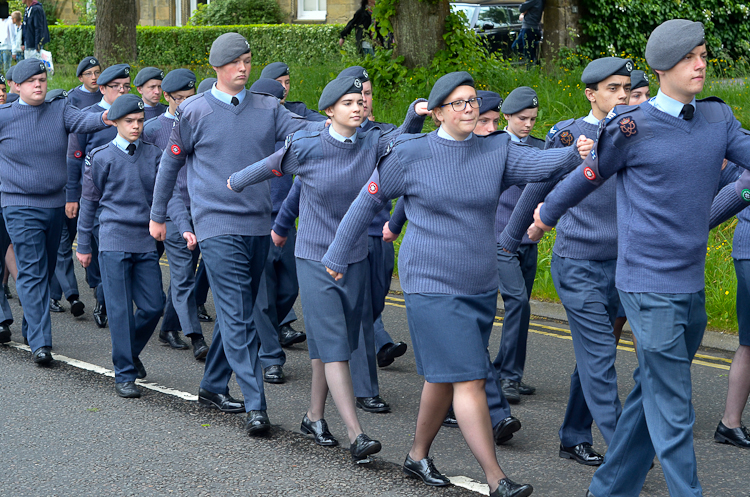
pixel 627 126
pixel 288 142
pixel 566 138
pixel 552 131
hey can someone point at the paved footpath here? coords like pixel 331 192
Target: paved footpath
pixel 63 431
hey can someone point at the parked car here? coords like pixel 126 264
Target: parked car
pixel 495 21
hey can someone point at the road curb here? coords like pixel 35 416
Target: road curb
pixel 550 310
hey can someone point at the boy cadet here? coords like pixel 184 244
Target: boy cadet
pixel 280 72
pixel 639 90
pixel 233 235
pixel 148 83
pixel 583 269
pixel 87 93
pixel 113 82
pixel 3 89
pixel 516 263
pixel 120 178
pixel 664 188
pixel 178 85
pixel 32 181
pixel 11 95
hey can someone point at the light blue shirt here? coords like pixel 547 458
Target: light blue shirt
pixel 122 143
pixel 513 137
pixel 168 115
pixel 669 105
pixel 341 137
pixel 104 105
pixel 83 89
pixel 591 119
pixel 445 136
pixel 21 102
pixel 226 97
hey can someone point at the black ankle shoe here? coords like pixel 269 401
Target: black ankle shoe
pixel 319 429
pixel 100 315
pixel 739 437
pixel 450 420
pixel 425 470
pixel 203 315
pixel 362 447
pixel 6 289
pixel 507 488
pixel 55 306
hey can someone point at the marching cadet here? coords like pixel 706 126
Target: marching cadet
pixel 280 72
pixel 113 82
pixel 3 89
pixel 120 178
pixel 32 181
pixel 87 93
pixel 181 312
pixel 148 83
pixel 12 94
pixel 639 90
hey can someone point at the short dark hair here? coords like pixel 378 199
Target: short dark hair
pixel 592 86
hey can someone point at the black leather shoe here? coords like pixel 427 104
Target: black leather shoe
pixel 510 390
pixel 288 336
pixel 55 306
pixel 172 339
pixel 318 429
pixel 4 333
pixel 589 494
pixel 739 437
pixel 203 315
pixel 505 429
pixel 425 470
pixel 363 446
pixel 525 389
pixel 257 423
pixel 508 488
pixel 389 352
pixel 127 390
pixel 274 374
pixel 200 349
pixel 373 404
pixel 582 454
pixel 100 315
pixel 140 370
pixel 220 401
pixel 6 289
pixel 450 420
pixel 42 355
pixel 76 307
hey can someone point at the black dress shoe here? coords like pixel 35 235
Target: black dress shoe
pixel 140 370
pixel 425 470
pixel 510 391
pixel 525 389
pixel 589 494
pixel 203 315
pixel 582 454
pixel 274 374
pixel 76 307
pixel 739 437
pixel 508 488
pixel 257 423
pixel 127 390
pixel 450 420
pixel 6 289
pixel 319 429
pixel 42 355
pixel 100 315
pixel 288 336
pixel 4 333
pixel 172 339
pixel 505 429
pixel 220 401
pixel 55 306
pixel 200 349
pixel 363 446
pixel 389 352
pixel 373 404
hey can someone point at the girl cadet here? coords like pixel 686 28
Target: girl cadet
pixel 451 181
pixel 332 165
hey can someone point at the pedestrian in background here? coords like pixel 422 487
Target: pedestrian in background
pixel 35 32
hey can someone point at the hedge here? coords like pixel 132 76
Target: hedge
pixel 186 46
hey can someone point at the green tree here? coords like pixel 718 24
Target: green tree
pixel 238 12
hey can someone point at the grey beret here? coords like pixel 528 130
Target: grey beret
pixel 117 71
pixel 178 80
pixel 275 70
pixel 2 80
pixel 519 99
pixel 226 48
pixel 124 105
pixel 337 89
pixel 671 41
pixel 269 87
pixel 358 72
pixel 86 64
pixel 206 84
pixel 638 79
pixel 490 101
pixel 9 74
pixel 600 69
pixel 28 68
pixel 147 74
pixel 445 86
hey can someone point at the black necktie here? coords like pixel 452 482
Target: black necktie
pixel 348 140
pixel 687 112
pixel 130 148
pixel 236 102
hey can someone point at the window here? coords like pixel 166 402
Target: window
pixel 312 10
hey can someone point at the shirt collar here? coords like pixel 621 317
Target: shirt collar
pixel 226 97
pixel 104 105
pixel 122 143
pixel 514 137
pixel 341 137
pixel 21 102
pixel 668 104
pixel 168 115
pixel 590 118
pixel 444 135
pixel 147 105
pixel 83 89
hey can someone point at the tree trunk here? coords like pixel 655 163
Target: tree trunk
pixel 115 31
pixel 418 27
pixel 561 27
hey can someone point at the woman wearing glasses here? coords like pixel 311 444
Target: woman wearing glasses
pixel 451 180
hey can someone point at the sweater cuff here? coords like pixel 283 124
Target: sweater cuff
pixel 280 230
pixel 339 268
pixel 83 248
pixel 158 217
pixel 508 243
pixel 546 220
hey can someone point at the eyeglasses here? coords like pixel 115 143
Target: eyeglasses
pixel 177 99
pixel 460 105
pixel 89 74
pixel 119 87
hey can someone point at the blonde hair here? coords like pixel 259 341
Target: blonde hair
pixel 16 16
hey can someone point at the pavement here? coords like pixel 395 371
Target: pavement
pixel 63 431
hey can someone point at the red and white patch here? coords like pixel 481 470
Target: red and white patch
pixel 77 154
pixel 176 150
pixel 372 188
pixel 277 173
pixel 589 173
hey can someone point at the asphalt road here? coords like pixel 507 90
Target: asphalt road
pixel 65 432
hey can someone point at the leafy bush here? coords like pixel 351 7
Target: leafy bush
pixel 233 12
